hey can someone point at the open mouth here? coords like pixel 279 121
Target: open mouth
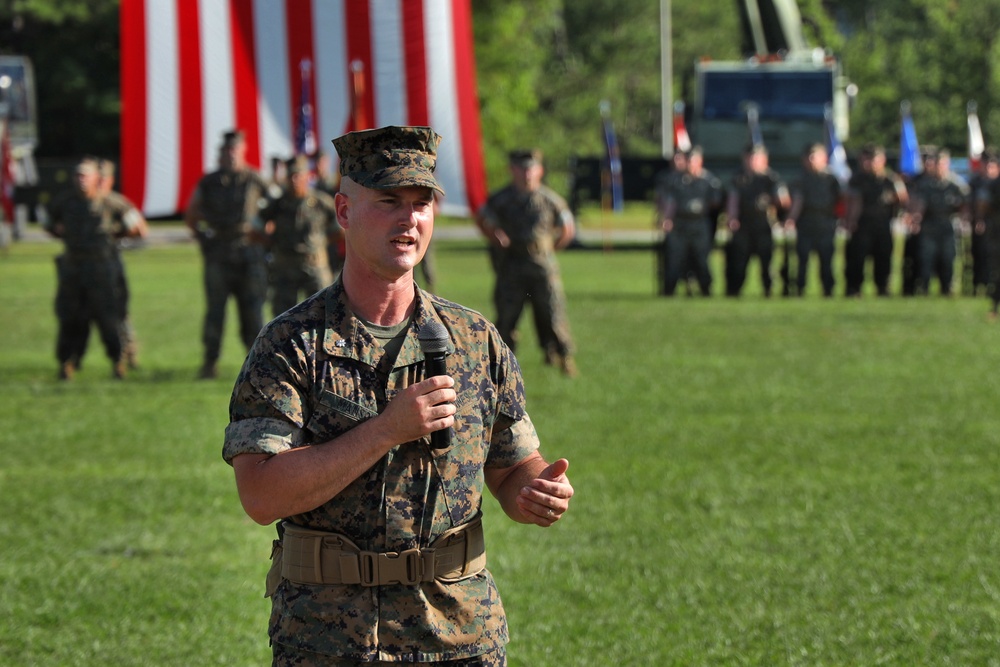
pixel 404 242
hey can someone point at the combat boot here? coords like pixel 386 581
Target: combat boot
pixel 67 370
pixel 568 367
pixel 209 371
pixel 132 356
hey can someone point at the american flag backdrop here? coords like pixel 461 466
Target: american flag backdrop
pixel 192 69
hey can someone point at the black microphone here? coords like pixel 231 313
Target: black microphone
pixel 433 339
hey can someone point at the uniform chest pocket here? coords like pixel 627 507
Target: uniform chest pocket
pixel 334 415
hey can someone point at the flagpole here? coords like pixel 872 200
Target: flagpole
pixel 666 81
pixel 606 181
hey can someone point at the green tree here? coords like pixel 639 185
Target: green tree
pixel 73 45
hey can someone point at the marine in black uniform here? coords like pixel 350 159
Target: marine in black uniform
pixel 757 196
pixel 687 208
pixel 813 217
pixel 874 198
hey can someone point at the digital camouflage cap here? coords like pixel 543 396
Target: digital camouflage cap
pixel 525 157
pixel 390 157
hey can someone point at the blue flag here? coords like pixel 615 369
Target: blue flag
pixel 753 124
pixel 305 125
pixel 611 170
pixel 909 149
pixel 838 156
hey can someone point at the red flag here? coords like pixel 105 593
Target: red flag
pixel 682 141
pixel 359 118
pixel 194 69
pixel 976 143
pixel 7 181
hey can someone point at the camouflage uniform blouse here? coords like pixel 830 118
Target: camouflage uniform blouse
pixel 314 373
pixel 229 202
pixel 530 220
pixel 92 226
pixel 302 226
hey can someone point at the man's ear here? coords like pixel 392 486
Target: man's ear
pixel 342 204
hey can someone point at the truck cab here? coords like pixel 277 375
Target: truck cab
pixel 780 95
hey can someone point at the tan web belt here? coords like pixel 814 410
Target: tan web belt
pixel 319 557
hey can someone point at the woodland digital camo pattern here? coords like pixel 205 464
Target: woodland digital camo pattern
pixel 528 267
pixel 390 157
pixel 91 283
pixel 299 262
pixel 316 372
pixel 229 201
pixel 530 219
pixel 91 227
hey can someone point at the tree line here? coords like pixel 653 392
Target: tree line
pixel 545 66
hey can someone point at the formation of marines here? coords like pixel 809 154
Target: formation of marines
pixel 935 210
pixel 282 237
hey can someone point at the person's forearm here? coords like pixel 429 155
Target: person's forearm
pixel 506 485
pixel 301 479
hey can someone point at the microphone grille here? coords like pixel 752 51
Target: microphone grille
pixel 433 337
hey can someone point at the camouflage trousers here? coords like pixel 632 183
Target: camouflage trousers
pixel 291 281
pixel 238 272
pixel 286 656
pixel 537 282
pixel 89 291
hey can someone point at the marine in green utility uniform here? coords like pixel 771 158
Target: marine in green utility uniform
pixel 380 556
pixel 813 218
pixel 90 273
pixel 687 207
pixel 526 223
pixel 757 196
pixel 220 214
pixel 935 200
pixel 298 228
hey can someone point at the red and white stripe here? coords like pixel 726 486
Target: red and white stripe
pixel 192 69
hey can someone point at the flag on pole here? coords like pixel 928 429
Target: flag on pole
pixel 753 125
pixel 682 140
pixel 192 69
pixel 611 167
pixel 305 125
pixel 359 121
pixel 976 143
pixel 838 156
pixel 7 179
pixel 909 149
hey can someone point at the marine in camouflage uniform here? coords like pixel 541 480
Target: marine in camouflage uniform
pixel 130 345
pixel 687 207
pixel 814 218
pixel 220 215
pixel 298 227
pixel 328 181
pixel 330 424
pixel 90 273
pixel 526 222
pixel 757 196
pixel 875 196
pixel 936 198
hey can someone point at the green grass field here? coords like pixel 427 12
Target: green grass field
pixel 759 482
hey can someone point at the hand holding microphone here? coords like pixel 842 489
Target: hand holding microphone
pixel 433 338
